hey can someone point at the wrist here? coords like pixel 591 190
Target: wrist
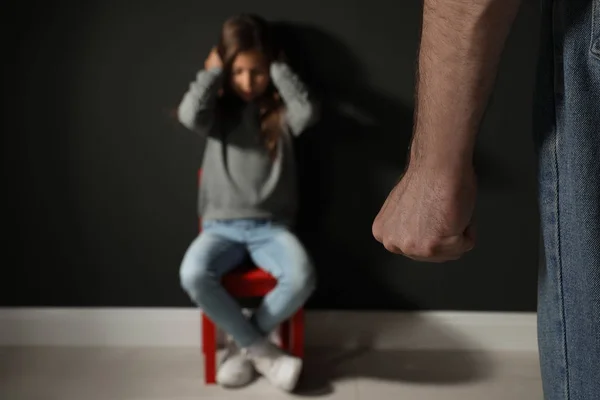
pixel 450 161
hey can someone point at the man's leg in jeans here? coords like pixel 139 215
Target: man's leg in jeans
pixel 568 138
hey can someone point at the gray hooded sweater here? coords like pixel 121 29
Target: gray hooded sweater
pixel 240 179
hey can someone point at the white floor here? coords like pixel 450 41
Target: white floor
pixel 54 373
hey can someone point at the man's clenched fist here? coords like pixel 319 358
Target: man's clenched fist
pixel 427 216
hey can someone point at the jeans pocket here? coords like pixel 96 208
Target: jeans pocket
pixel 595 45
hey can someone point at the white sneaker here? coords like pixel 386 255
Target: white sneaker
pixel 281 369
pixel 235 370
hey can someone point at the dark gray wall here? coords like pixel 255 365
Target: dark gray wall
pixel 99 182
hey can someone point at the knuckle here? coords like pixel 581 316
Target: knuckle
pixel 425 248
pixel 376 230
pixel 409 246
pixel 389 246
pixel 390 243
pixel 429 249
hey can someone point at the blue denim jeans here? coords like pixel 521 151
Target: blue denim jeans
pixel 567 135
pixel 220 248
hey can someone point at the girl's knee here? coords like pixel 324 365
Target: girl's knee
pixel 195 277
pixel 303 281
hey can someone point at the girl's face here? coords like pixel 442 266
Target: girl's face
pixel 250 75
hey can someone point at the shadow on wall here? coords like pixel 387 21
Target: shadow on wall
pixel 348 164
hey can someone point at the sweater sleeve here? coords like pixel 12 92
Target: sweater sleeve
pixel 196 110
pixel 301 111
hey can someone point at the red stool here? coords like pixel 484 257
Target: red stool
pixel 249 281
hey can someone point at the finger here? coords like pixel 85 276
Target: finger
pixel 456 253
pixel 456 245
pixel 376 229
pixel 437 259
pixel 392 248
pixel 378 226
pixel 448 249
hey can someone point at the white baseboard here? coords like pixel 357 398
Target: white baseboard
pixel 181 327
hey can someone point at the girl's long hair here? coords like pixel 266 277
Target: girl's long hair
pixel 247 32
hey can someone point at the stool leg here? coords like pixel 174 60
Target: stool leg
pixel 284 333
pixel 297 333
pixel 209 347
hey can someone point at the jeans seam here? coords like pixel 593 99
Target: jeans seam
pixel 557 197
pixel 560 272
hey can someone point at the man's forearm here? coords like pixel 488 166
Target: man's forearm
pixel 461 44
